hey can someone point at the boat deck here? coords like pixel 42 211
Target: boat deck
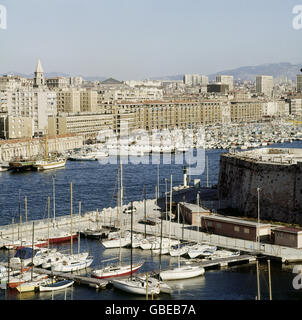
pixel 92 282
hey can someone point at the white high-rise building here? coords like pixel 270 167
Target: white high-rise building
pixel 299 82
pixel 226 79
pixel 195 79
pixel 264 85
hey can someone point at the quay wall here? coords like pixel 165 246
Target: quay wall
pixel 16 148
pixel 281 188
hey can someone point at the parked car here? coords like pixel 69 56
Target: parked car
pixel 148 222
pixel 128 210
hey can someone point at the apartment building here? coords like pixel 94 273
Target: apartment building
pixel 226 79
pixel 264 85
pixel 15 127
pixel 32 103
pixel 246 110
pixel 57 83
pixel 299 82
pixel 88 124
pixel 195 79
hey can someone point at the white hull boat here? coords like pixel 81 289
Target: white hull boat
pixel 137 286
pixel 51 164
pixel 115 271
pixel 72 265
pixel 200 250
pixel 116 243
pixel 56 286
pixel 184 272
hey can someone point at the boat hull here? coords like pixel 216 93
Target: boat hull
pixel 126 286
pixel 182 273
pixel 56 286
pixel 124 271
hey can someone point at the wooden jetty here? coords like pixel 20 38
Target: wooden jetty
pixel 92 282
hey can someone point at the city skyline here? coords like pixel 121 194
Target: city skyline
pixel 140 40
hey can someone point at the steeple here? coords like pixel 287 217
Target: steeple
pixel 39 80
pixel 39 68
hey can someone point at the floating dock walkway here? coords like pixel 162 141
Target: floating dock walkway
pixel 92 282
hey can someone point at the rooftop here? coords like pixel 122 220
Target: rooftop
pixel 284 156
pixel 194 207
pixel 236 221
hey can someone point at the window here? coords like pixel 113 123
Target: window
pixel 218 225
pixel 246 230
pixel 209 224
pixel 236 228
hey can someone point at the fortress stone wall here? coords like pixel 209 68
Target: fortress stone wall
pixel 278 172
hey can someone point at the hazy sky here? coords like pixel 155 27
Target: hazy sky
pixel 137 39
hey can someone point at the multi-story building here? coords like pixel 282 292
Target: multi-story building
pixel 299 82
pixel 57 83
pixel 34 103
pixel 226 79
pixel 75 81
pixel 132 94
pixel 218 88
pixel 85 123
pixel 73 100
pixel 195 79
pixel 68 100
pixel 264 85
pixel 88 101
pixel 246 110
pixel 16 127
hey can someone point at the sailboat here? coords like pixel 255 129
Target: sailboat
pixel 117 270
pixel 119 241
pixel 199 249
pixel 182 272
pixel 72 262
pixel 23 164
pixel 47 163
pixel 136 285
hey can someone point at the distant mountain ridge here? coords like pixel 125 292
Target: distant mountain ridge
pixel 282 69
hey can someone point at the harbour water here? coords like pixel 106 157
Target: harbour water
pixel 95 186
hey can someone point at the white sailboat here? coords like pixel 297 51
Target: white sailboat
pixel 136 285
pixel 182 272
pixel 72 262
pixel 118 270
pixel 119 241
pixel 47 164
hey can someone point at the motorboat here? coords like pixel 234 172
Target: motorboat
pixel 59 285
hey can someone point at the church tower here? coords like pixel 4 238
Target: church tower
pixel 39 80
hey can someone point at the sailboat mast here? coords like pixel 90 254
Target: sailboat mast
pixel 197 202
pixel 32 255
pixel 161 243
pixel 131 235
pixel 145 211
pixel 54 197
pixel 178 234
pixel 48 205
pixel 170 212
pixel 71 218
